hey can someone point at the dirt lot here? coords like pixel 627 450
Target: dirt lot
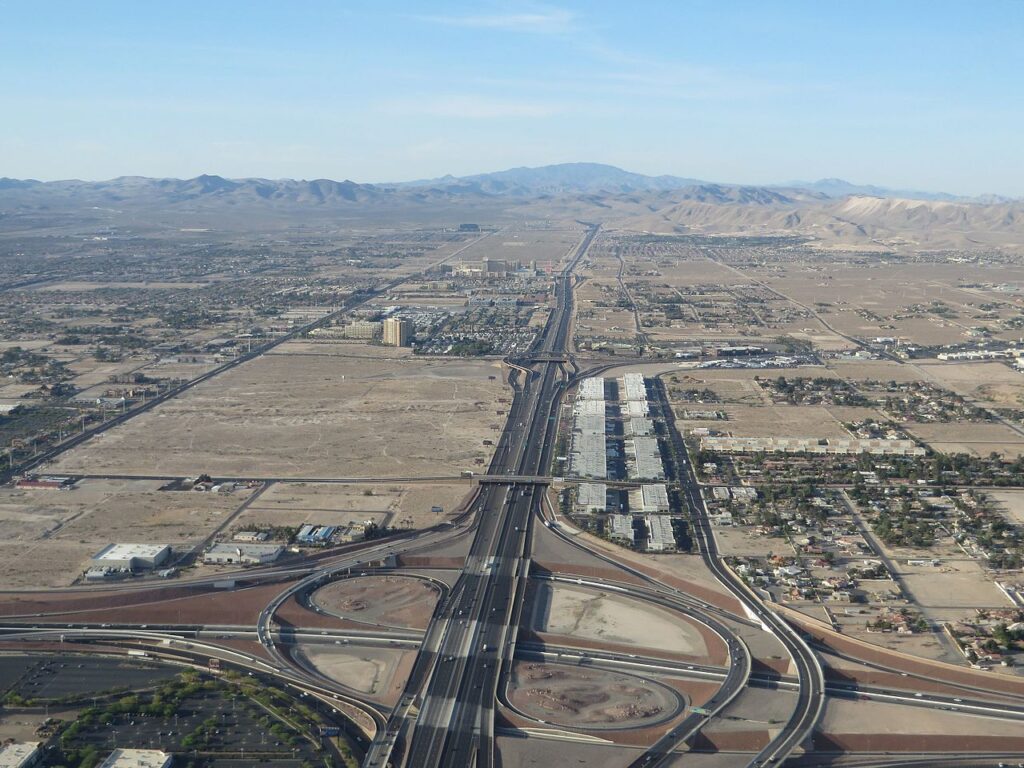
pixel 842 716
pixel 741 542
pixel 991 383
pixel 377 672
pixel 1012 504
pixel 589 698
pixel 979 439
pixel 391 601
pixel 952 589
pixel 593 615
pixel 313 416
pixel 342 504
pixel 777 421
pixel 48 536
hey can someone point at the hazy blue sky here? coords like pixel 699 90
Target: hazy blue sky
pixel 927 95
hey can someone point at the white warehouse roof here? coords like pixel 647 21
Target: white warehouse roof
pixel 131 551
pixel 136 758
pixel 634 387
pixel 591 389
pixel 592 497
pixel 18 755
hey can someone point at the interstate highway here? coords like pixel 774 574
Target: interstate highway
pixel 454 727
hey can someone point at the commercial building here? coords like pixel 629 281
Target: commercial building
pixel 251 537
pixel 363 329
pixel 636 409
pixel 131 557
pixel 643 459
pixel 588 453
pixel 242 554
pixel 660 536
pixel 312 533
pixel 137 758
pixel 830 446
pixel 591 498
pixel 46 482
pixel 19 755
pixel 638 426
pixel 591 389
pixel 633 387
pixel 649 499
pixel 620 528
pixel 589 408
pixel 398 331
pixel 588 457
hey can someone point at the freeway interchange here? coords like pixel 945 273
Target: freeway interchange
pixel 455 703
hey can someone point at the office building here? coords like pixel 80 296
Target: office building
pixel 398 332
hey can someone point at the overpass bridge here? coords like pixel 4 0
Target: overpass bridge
pixel 548 480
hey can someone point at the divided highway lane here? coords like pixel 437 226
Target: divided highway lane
pixel 455 724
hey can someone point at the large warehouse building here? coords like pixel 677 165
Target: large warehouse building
pixel 131 557
pixel 242 554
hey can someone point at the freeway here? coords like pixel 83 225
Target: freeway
pixel 454 726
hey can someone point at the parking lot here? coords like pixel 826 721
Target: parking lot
pixel 63 678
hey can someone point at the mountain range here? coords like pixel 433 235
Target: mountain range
pixel 832 211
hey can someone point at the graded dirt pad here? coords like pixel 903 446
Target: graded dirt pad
pixel 956 584
pixel 756 707
pixel 594 615
pixel 341 504
pixel 517 752
pixel 880 718
pixel 313 416
pixel 47 536
pixel 377 672
pixel 578 697
pixel 391 601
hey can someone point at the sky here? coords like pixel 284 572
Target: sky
pixel 911 95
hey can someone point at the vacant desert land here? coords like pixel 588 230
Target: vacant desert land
pixel 296 416
pixel 1012 505
pixel 875 370
pixel 48 536
pixel 979 439
pixel 778 421
pixel 340 504
pixel 993 384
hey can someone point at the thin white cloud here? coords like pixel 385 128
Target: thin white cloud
pixel 470 108
pixel 541 21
